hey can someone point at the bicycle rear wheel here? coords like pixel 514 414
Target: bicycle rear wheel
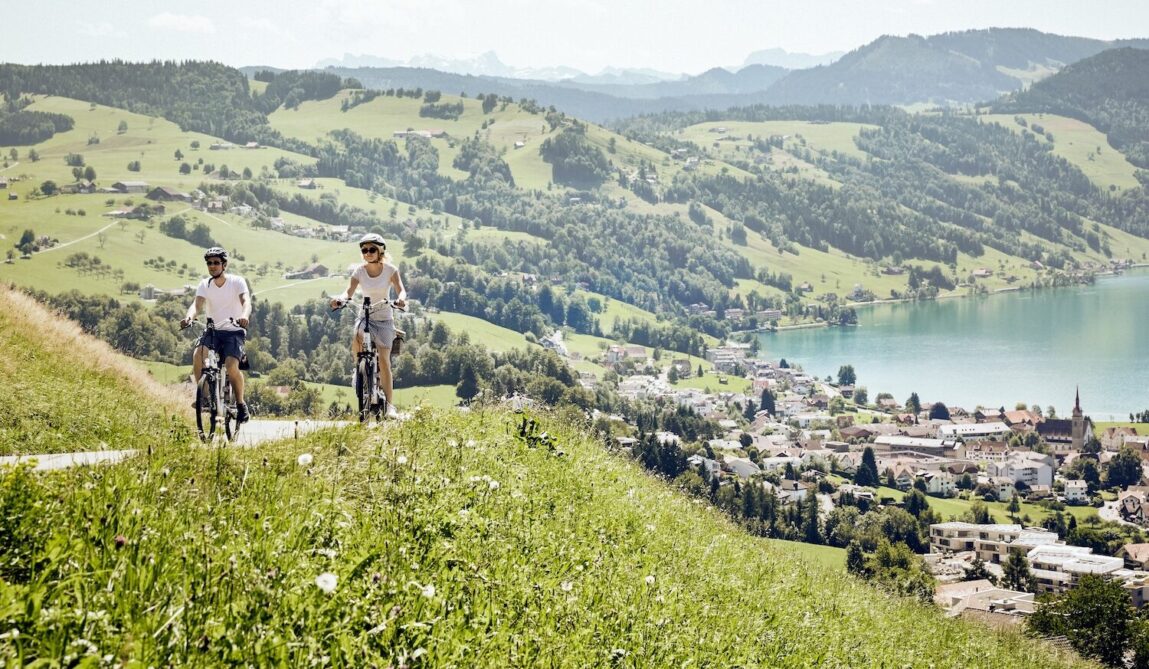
pixel 206 407
pixel 229 412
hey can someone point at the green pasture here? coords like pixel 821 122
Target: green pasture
pixel 830 137
pixel 384 116
pixel 827 556
pixel 152 141
pixel 712 382
pixel 951 508
pixel 1079 143
pixel 492 337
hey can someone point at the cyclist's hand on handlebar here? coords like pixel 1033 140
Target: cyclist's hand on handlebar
pixel 400 304
pixel 186 322
pixel 241 322
pixel 338 303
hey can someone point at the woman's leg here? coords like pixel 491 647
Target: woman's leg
pixel 385 383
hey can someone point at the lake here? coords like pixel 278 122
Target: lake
pixel 1026 346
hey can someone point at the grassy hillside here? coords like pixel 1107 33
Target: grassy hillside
pixel 448 540
pixel 61 391
pixel 1079 143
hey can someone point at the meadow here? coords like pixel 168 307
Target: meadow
pixel 480 539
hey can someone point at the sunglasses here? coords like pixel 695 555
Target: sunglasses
pixel 213 263
pixel 369 249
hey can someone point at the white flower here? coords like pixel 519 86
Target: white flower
pixel 304 459
pixel 567 586
pixel 650 579
pixel 428 591
pixel 327 582
pixel 494 485
pixel 402 459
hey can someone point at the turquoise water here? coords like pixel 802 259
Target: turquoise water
pixel 1035 347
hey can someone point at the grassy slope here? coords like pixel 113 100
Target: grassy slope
pixel 61 391
pixel 453 543
pixel 1079 143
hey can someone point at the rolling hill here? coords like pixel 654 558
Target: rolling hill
pixel 452 539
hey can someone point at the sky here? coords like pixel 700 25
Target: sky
pixel 676 36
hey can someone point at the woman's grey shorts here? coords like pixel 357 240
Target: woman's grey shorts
pixel 382 332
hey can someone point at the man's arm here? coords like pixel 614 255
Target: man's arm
pixel 194 308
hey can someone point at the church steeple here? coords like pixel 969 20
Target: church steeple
pixel 1078 423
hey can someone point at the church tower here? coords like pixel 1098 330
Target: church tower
pixel 1078 432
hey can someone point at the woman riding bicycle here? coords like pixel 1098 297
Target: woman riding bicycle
pixel 225 299
pixel 375 278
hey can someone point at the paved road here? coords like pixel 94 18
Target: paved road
pixel 252 434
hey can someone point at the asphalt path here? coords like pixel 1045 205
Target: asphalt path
pixel 251 434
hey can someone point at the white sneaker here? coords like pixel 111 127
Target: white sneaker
pixel 392 412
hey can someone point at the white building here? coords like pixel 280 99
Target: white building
pixel 1025 467
pixel 1076 491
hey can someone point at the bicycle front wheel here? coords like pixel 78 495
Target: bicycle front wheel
pixel 206 407
pixel 364 388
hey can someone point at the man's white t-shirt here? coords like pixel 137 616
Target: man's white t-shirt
pixel 377 288
pixel 223 302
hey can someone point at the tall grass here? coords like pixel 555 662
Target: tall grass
pixel 63 391
pixel 446 541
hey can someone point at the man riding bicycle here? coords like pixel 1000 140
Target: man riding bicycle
pixel 225 299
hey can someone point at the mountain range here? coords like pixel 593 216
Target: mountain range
pixel 957 68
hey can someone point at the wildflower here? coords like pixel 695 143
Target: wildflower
pixel 493 484
pixel 304 459
pixel 650 579
pixel 566 586
pixel 166 472
pixel 428 591
pixel 163 489
pixel 327 582
pixel 120 541
pixel 402 459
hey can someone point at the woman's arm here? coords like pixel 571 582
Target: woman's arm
pixel 338 300
pixel 400 291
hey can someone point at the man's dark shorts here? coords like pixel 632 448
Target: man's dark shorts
pixel 228 343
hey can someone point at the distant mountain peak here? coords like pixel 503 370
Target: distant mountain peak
pixel 791 61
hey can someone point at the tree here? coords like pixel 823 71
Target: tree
pixel 179 154
pixel 861 396
pixel 1014 506
pixel 913 404
pixel 1016 574
pixel 767 403
pixel 846 375
pixel 33 155
pixel 49 187
pixel 939 411
pixel 468 385
pixel 1096 616
pixel 122 128
pixel 855 559
pixel 90 173
pixel 1124 469
pixel 867 474
pixel 185 168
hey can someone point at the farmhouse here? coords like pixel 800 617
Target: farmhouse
pixel 130 187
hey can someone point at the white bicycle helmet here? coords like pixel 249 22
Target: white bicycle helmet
pixel 373 238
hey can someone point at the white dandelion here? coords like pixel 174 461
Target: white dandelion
pixel 566 586
pixel 402 459
pixel 650 579
pixel 327 582
pixel 429 591
pixel 304 459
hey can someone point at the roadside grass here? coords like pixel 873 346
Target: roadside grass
pixel 62 391
pixel 1079 143
pixel 447 540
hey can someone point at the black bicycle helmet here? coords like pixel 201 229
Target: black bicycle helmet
pixel 216 252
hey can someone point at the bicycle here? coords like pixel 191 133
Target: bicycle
pixel 365 377
pixel 213 394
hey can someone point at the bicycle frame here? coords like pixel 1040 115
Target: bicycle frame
pixel 214 400
pixel 365 379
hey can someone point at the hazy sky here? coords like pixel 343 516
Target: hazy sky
pixel 671 35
